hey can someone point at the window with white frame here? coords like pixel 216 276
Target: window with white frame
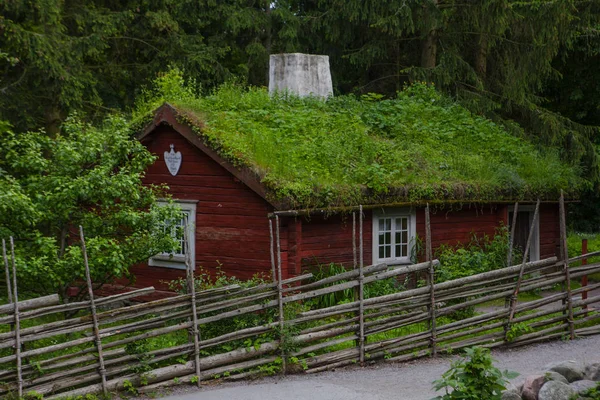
pixel 180 229
pixel 393 236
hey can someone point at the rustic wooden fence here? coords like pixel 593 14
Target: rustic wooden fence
pixel 236 332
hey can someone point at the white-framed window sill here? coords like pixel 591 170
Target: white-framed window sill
pixel 166 262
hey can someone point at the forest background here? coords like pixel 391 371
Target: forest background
pixel 69 69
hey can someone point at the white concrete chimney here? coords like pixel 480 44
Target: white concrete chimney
pixel 302 74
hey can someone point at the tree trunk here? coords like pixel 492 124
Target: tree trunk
pixel 481 52
pixel 429 43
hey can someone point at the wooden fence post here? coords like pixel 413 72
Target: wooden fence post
pixel 512 235
pixel 17 320
pixel 192 292
pixel 584 279
pixel 271 241
pixel 514 298
pixel 280 298
pixel 431 279
pixel 565 257
pixel 361 289
pixel 6 268
pixel 88 278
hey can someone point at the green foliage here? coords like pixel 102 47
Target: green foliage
pixel 482 254
pixel 517 330
pixel 474 378
pixel 592 394
pixel 89 176
pixel 331 299
pixel 420 145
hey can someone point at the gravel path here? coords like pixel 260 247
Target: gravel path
pixel 407 381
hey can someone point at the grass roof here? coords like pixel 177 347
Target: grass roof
pixel 347 150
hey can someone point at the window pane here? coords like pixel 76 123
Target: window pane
pixel 381 252
pixel 381 239
pixel 388 251
pixel 404 250
pixel 381 225
pixel 404 237
pixel 388 238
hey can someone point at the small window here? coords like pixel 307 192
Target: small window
pixel 176 257
pixel 393 236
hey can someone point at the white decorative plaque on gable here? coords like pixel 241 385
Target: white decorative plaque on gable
pixel 173 160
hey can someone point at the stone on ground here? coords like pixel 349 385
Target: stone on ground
pixel 572 370
pixel 555 376
pixel 583 386
pixel 554 390
pixel 532 386
pixel 511 395
pixel 592 372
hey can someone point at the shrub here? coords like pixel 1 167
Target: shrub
pixel 481 254
pixel 473 379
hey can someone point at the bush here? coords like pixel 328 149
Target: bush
pixel 481 254
pixel 473 379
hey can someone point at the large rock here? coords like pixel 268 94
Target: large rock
pixel 555 376
pixel 511 395
pixel 532 386
pixel 592 372
pixel 583 386
pixel 301 74
pixel 554 390
pixel 572 370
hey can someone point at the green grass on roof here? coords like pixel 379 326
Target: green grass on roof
pixel 344 151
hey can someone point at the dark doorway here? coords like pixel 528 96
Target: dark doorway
pixel 522 228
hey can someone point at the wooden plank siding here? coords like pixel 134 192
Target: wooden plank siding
pixel 231 225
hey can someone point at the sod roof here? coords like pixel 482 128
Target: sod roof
pixel 346 151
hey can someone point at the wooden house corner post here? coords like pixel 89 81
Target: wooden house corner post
pixel 195 331
pixel 515 296
pixel 272 245
pixel 431 279
pixel 17 321
pixel 565 259
pixel 361 289
pixel 282 337
pixel 88 278
pixel 509 257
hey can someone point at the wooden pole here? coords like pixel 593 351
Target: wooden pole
pixel 273 268
pixel 88 278
pixel 280 297
pixel 17 321
pixel 6 268
pixel 192 291
pixel 565 257
pixel 361 289
pixel 514 298
pixel 433 325
pixel 512 235
pixel 584 279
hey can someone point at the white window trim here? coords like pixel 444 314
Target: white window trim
pixel 394 213
pixel 178 262
pixel 534 247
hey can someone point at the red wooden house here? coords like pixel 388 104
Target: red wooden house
pixel 227 209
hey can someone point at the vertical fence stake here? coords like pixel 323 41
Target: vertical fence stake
pixel 361 289
pixel 88 278
pixel 433 324
pixel 273 268
pixel 514 297
pixel 6 267
pixel 280 297
pixel 17 320
pixel 584 279
pixel 192 291
pixel 565 257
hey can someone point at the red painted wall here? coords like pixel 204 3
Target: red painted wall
pixel 231 219
pixel 326 240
